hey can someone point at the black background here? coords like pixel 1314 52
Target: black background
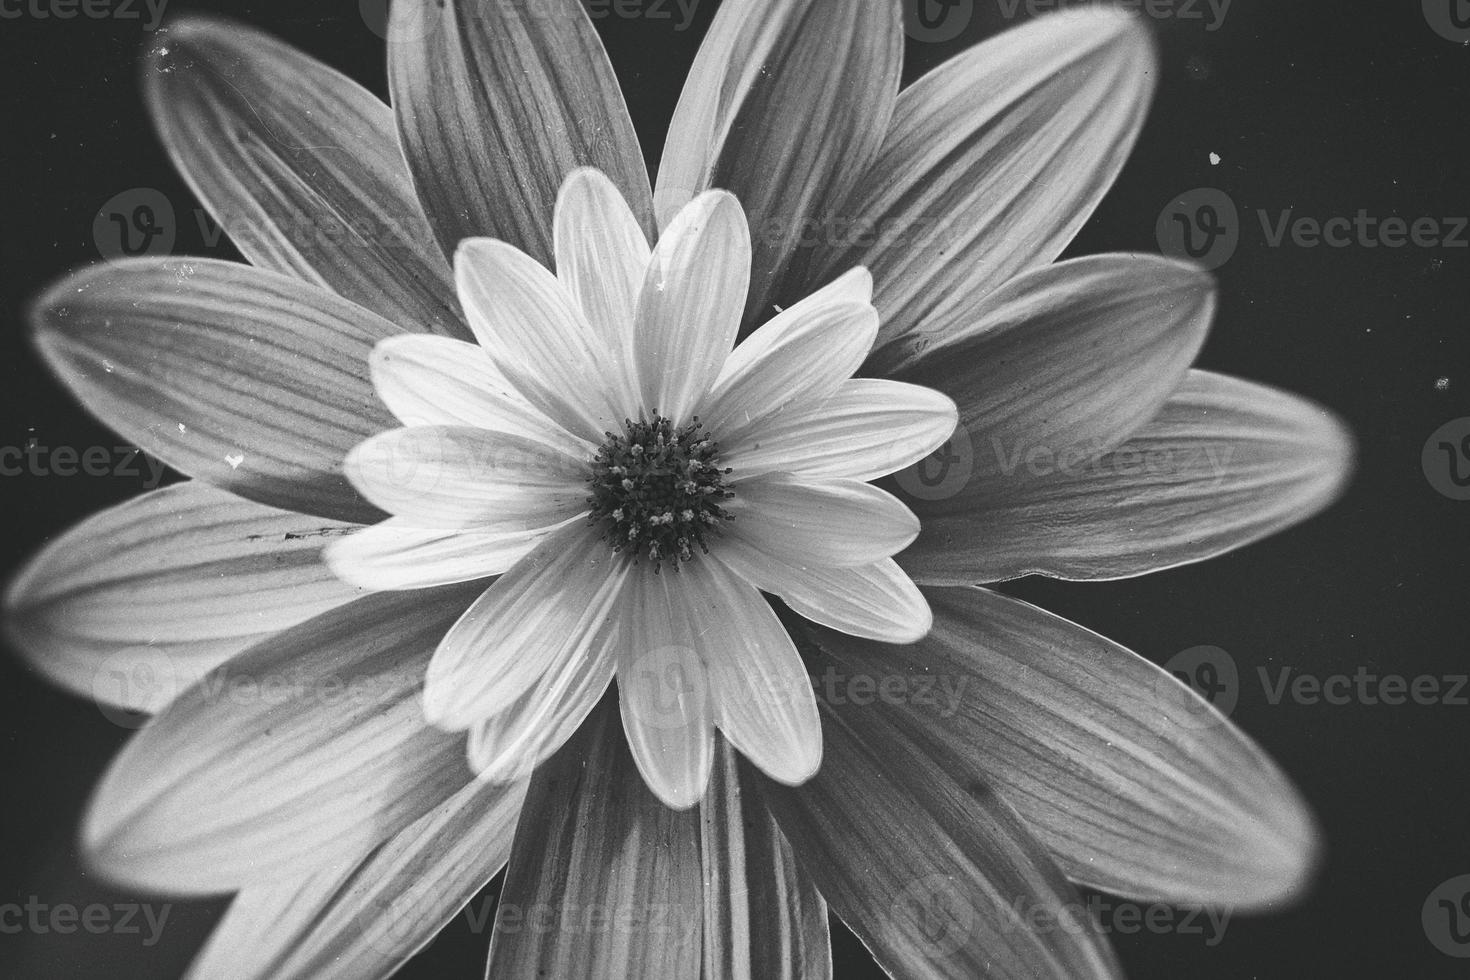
pixel 1320 107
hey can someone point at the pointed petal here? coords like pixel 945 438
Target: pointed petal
pixel 301 168
pixel 842 523
pixel 362 921
pixel 938 879
pixel 763 916
pixel 606 881
pixel 785 107
pixel 398 554
pixel 802 356
pixel 877 601
pixel 1098 751
pixel 438 381
pixel 957 177
pixel 690 305
pixel 546 608
pixel 138 602
pixel 238 377
pixel 510 745
pixel 452 476
pixel 497 103
pixel 602 258
pixel 868 428
pixel 762 698
pixel 1224 464
pixel 536 334
pixel 1066 363
pixel 309 748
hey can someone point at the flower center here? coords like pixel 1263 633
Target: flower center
pixel 657 490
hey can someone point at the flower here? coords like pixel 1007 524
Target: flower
pixel 615 375
pixel 969 781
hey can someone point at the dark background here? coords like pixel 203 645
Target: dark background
pixel 1309 107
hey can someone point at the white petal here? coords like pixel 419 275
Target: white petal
pixel 867 429
pixel 842 523
pixel 876 602
pixel 439 476
pixel 806 352
pixel 545 609
pixel 536 334
pixel 663 690
pixel 602 257
pixel 692 300
pixel 763 700
pixel 437 381
pixel 396 554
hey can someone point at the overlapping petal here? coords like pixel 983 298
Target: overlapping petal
pixel 841 523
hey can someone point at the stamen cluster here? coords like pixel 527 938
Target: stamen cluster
pixel 658 490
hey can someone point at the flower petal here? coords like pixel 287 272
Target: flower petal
pixel 1224 464
pixel 398 554
pixel 300 166
pixel 877 601
pixel 785 106
pixel 450 477
pixel 138 602
pixel 1067 363
pixel 994 161
pixel 438 381
pixel 604 862
pixel 602 258
pixel 363 920
pixel 690 305
pixel 238 377
pixel 802 356
pixel 663 687
pixel 537 336
pixel 497 103
pixel 1135 787
pixel 936 878
pixel 308 749
pixel 868 428
pixel 842 522
pixel 545 609
pixel 511 744
pixel 763 701
pixel 763 917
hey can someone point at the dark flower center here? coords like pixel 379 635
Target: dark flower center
pixel 657 490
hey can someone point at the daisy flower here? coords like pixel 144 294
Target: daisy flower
pixel 495 445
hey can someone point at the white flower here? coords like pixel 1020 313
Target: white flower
pixel 636 483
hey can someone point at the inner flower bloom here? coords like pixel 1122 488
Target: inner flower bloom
pixel 659 490
pixel 716 473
